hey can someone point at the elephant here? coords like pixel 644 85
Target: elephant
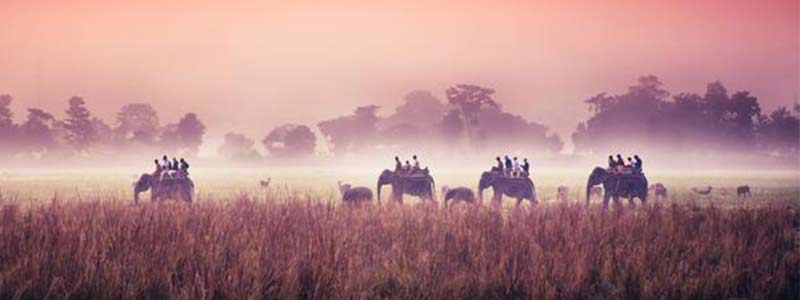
pixel 161 189
pixel 420 185
pixel 356 195
pixel 617 185
pixel 459 194
pixel 516 187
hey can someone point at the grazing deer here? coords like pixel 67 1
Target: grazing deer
pixel 562 193
pixel 659 190
pixel 265 183
pixel 705 192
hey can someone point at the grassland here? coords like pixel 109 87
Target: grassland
pixel 77 236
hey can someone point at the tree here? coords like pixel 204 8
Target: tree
pixel 80 132
pixel 600 102
pixel 138 122
pixel 554 143
pixel 7 126
pixel 741 117
pixel 580 138
pixel 420 109
pixel 470 100
pixel 186 135
pixel 238 147
pixel 452 126
pixel 191 130
pixel 780 132
pixel 290 140
pixel 351 132
pixel 36 133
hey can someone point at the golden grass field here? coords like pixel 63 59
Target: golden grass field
pixel 76 235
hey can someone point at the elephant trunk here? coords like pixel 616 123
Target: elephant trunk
pixel 378 189
pixel 433 190
pixel 588 191
pixel 140 186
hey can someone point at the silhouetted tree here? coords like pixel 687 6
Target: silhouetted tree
pixel 496 127
pixel 351 132
pixel 690 123
pixel 554 143
pixel 290 141
pixel 741 118
pixel 7 126
pixel 138 122
pixel 36 134
pixel 238 147
pixel 80 132
pixel 580 138
pixel 470 100
pixel 191 130
pixel 452 126
pixel 780 132
pixel 186 135
pixel 420 109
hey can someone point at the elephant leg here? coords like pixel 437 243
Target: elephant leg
pixel 187 196
pixel 606 198
pixel 519 202
pixel 630 202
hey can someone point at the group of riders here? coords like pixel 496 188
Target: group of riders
pixel 512 167
pixel 166 169
pixel 618 165
pixel 407 168
pixel 179 168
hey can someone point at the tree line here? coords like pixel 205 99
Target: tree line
pixel 470 120
pixel 687 123
pixel 43 136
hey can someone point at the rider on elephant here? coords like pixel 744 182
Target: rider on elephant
pixel 397 164
pixel 159 169
pixel 637 165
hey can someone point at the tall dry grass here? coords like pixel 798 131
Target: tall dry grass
pixel 245 249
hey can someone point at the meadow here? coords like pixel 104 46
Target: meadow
pixel 77 235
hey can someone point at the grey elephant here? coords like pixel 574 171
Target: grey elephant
pixel 743 191
pixel 161 189
pixel 616 185
pixel 420 185
pixel 459 194
pixel 520 188
pixel 356 196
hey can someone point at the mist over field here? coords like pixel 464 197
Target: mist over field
pixel 168 149
pixel 678 131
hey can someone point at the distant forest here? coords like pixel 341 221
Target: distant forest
pixel 469 120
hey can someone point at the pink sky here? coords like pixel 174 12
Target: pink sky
pixel 250 66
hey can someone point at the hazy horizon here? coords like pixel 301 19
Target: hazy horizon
pixel 248 67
